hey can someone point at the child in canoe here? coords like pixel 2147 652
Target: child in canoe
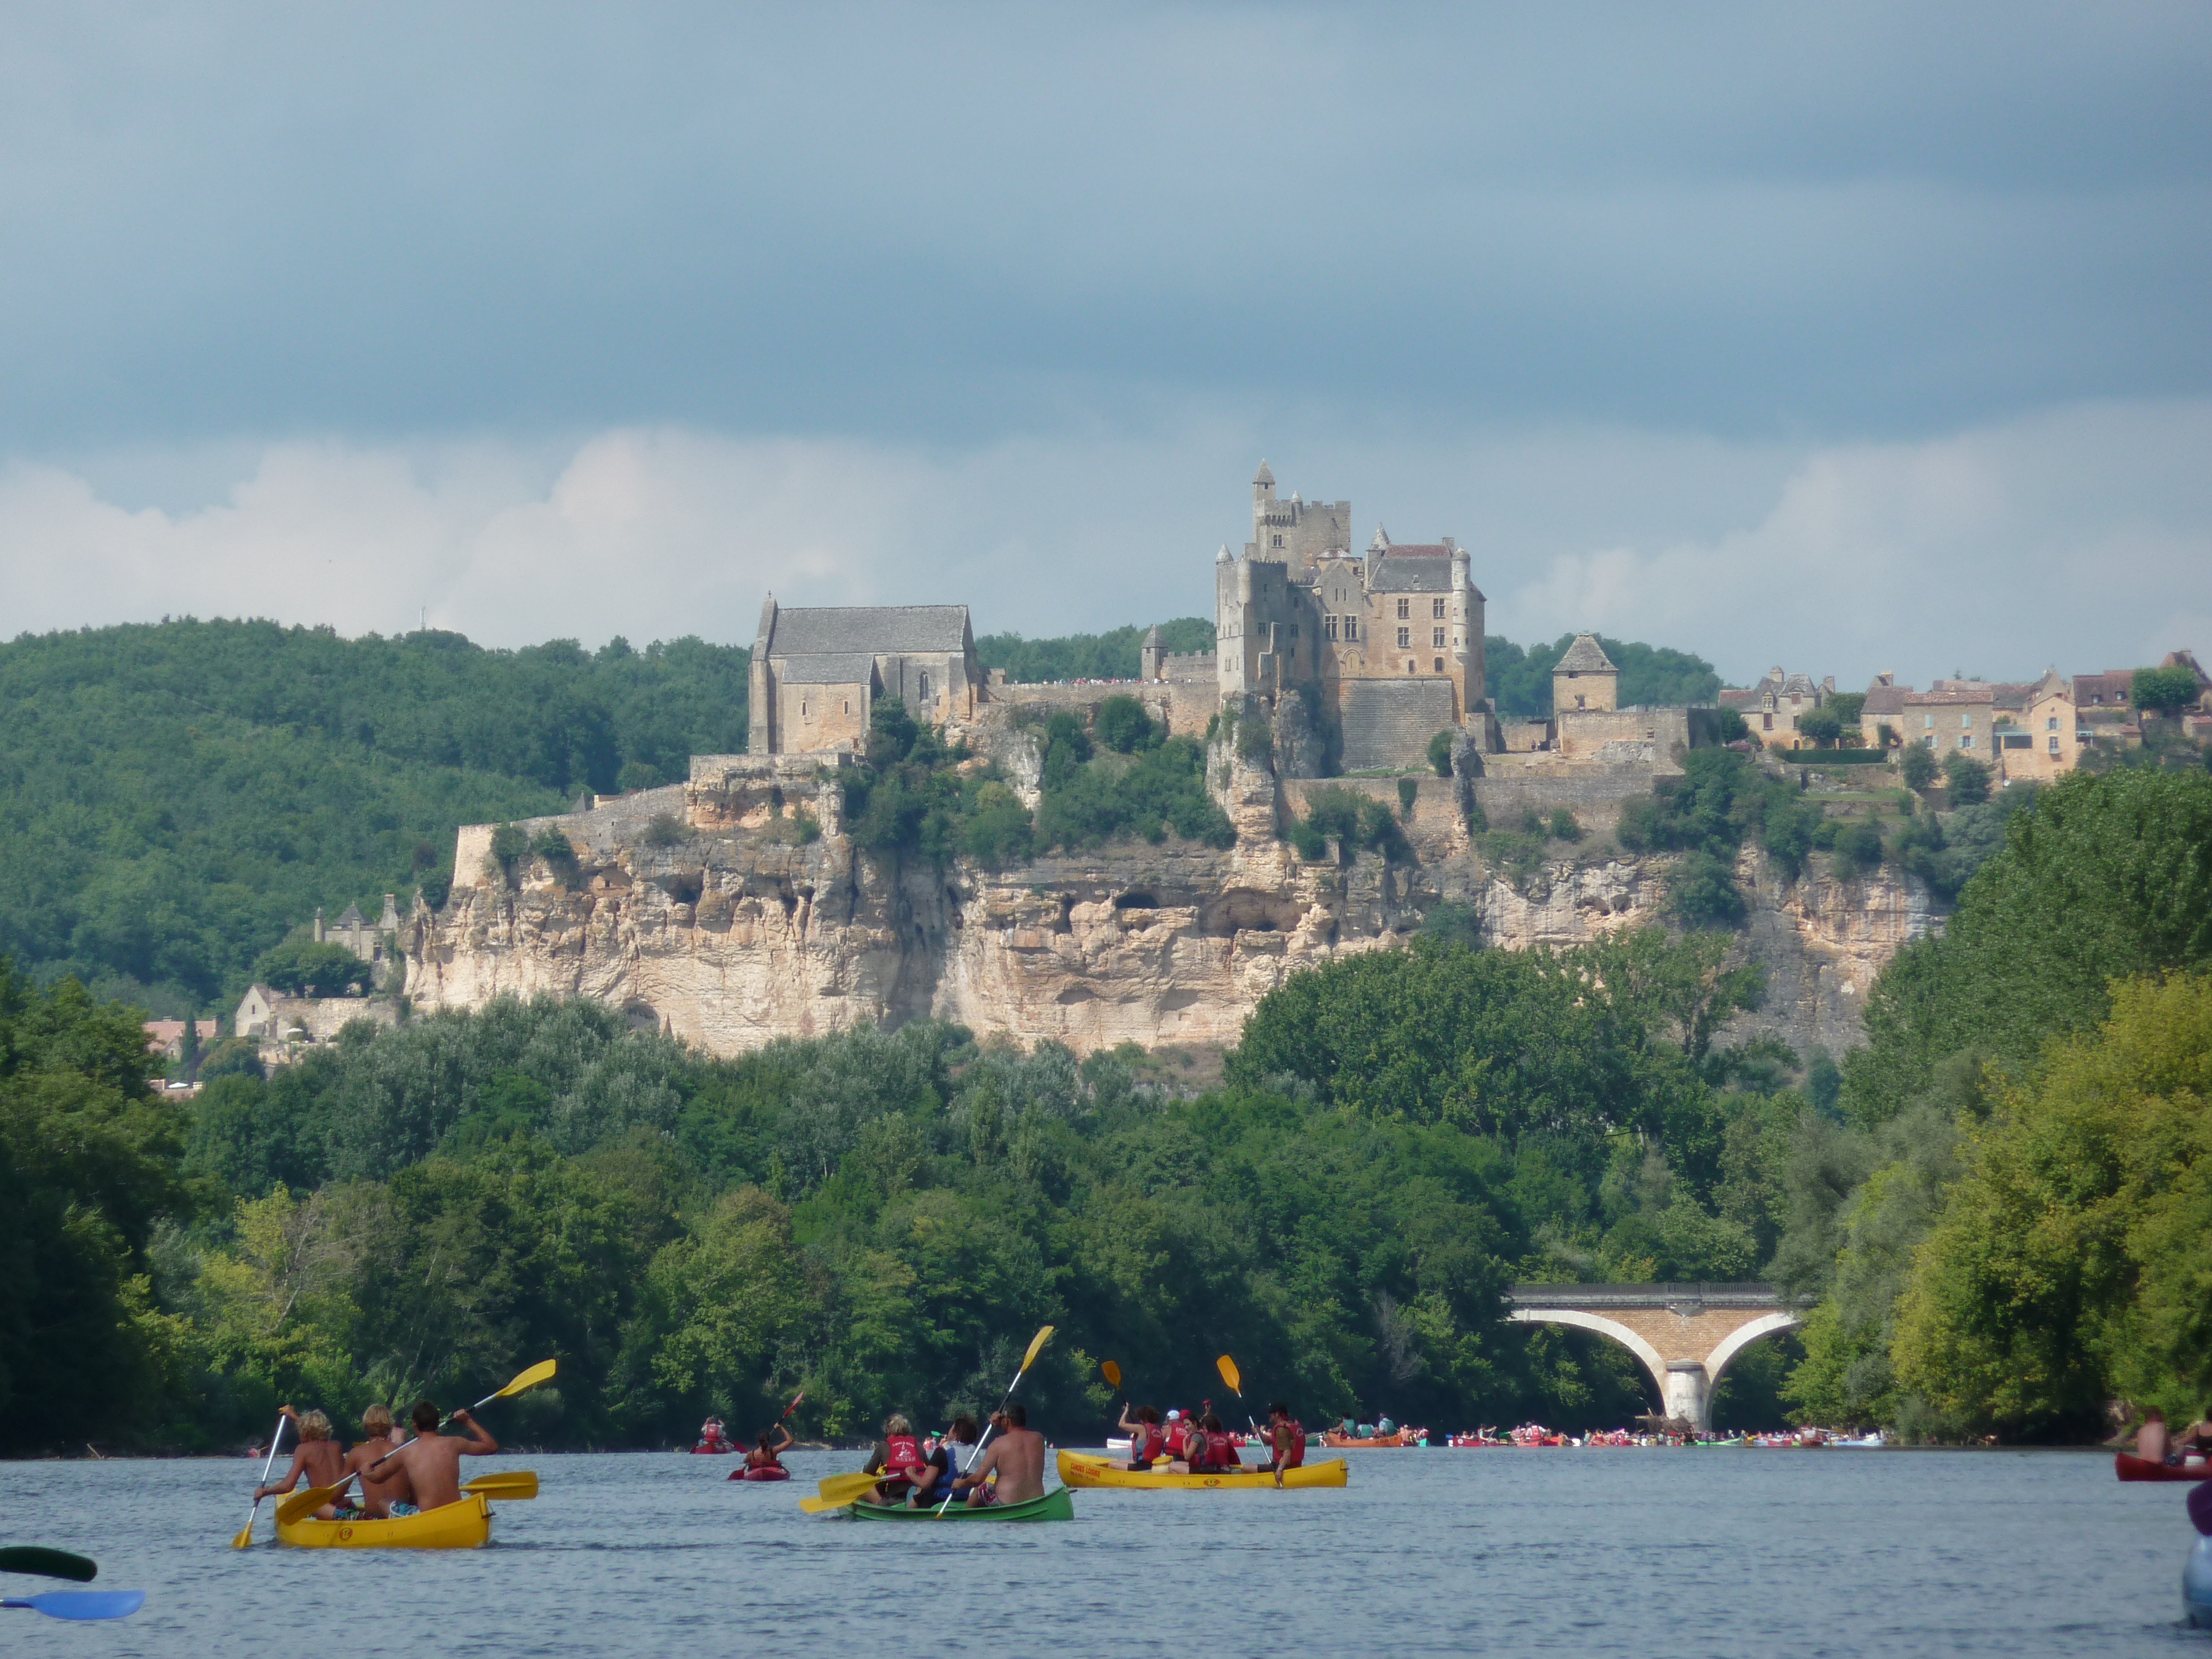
pixel 387 1492
pixel 318 1458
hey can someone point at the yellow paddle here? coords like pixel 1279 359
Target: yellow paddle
pixel 245 1539
pixel 1037 1347
pixel 840 1490
pixel 1113 1374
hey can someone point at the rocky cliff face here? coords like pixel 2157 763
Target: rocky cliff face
pixel 737 930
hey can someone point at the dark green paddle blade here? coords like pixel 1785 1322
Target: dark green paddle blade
pixel 48 1563
pixel 83 1604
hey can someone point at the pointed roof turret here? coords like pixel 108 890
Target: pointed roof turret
pixel 1381 542
pixel 1263 476
pixel 1585 656
pixel 1222 557
pixel 1152 634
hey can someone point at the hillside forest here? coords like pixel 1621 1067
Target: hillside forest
pixel 179 797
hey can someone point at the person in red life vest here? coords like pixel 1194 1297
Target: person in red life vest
pixel 897 1458
pixel 1220 1446
pixel 1148 1442
pixel 711 1438
pixel 1177 1434
pixel 1286 1438
pixel 768 1454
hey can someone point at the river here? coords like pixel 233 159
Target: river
pixel 1645 1552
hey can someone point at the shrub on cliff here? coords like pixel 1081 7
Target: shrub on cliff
pixel 1123 725
pixel 915 797
pixel 1354 821
pixel 1089 803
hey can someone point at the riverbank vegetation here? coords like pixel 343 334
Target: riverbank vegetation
pixel 881 1219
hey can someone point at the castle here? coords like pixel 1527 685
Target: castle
pixel 1383 647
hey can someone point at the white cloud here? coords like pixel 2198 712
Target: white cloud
pixel 2082 536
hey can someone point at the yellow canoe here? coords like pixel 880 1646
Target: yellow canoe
pixel 463 1526
pixel 1088 1469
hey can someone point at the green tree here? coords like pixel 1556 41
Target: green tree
pixel 1966 778
pixel 1823 726
pixel 303 968
pixel 1123 726
pixel 2164 690
pixel 1440 752
pixel 1916 765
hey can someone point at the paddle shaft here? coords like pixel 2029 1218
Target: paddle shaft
pixel 267 1464
pixel 986 1439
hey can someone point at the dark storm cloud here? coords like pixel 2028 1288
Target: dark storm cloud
pixel 940 226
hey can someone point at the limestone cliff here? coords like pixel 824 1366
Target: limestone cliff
pixel 707 911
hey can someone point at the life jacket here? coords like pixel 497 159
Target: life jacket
pixel 1221 1450
pixel 761 1458
pixel 1289 1444
pixel 1149 1445
pixel 903 1457
pixel 1176 1436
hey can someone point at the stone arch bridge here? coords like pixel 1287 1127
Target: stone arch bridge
pixel 1685 1334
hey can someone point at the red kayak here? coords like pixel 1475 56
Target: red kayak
pixel 2142 1468
pixel 769 1472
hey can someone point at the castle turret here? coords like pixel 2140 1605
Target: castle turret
pixel 1152 654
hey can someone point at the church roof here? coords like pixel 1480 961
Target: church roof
pixel 871 628
pixel 827 668
pixel 1402 573
pixel 1585 656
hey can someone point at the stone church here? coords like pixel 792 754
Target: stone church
pixel 817 671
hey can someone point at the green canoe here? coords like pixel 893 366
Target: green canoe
pixel 1057 1504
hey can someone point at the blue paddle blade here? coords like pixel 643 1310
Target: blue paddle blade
pixel 83 1604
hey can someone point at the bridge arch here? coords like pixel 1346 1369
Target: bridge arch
pixel 1686 1335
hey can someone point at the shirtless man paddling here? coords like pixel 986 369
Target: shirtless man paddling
pixel 1016 1457
pixel 381 1496
pixel 431 1460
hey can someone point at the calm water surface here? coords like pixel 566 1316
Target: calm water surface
pixel 1647 1553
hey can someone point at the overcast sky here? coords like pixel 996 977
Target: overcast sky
pixel 1864 338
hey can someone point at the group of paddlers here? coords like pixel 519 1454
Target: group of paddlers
pixel 1190 1443
pixel 929 1471
pixel 399 1473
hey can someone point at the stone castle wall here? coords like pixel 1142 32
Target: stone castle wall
pixel 1388 723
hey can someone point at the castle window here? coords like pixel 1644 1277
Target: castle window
pixel 1352 628
pixel 1329 626
pixel 1294 630
pixel 1440 664
pixel 1966 721
pixel 1437 608
pixel 2054 745
pixel 1405 635
pixel 1404 609
pixel 1930 719
pixel 1435 639
pixel 924 684
pixel 2050 725
pixel 848 705
pixel 1965 743
pixel 802 709
pixel 1278 541
pixel 1766 722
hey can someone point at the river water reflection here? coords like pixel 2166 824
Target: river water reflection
pixel 1695 1552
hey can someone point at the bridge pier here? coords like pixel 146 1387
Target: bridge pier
pixel 1685 1334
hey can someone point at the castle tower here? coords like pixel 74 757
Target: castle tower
pixel 1584 678
pixel 1152 654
